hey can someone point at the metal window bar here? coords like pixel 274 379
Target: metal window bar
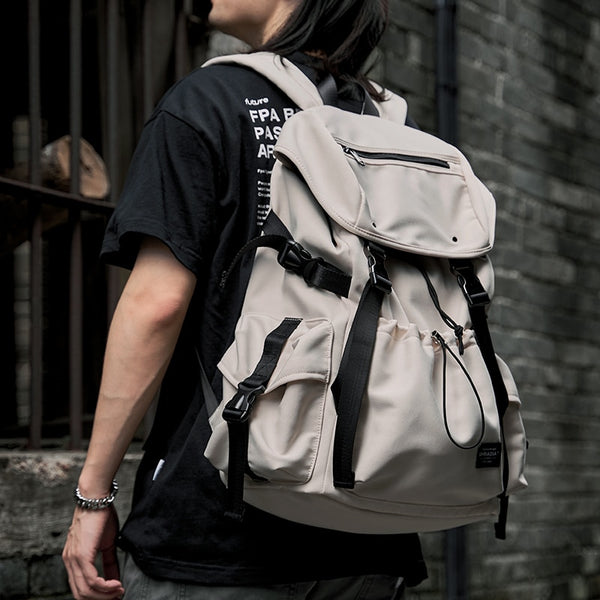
pixel 112 86
pixel 110 134
pixel 35 145
pixel 147 42
pixel 182 62
pixel 76 266
pixel 37 195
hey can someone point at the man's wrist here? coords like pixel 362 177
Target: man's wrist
pixel 96 503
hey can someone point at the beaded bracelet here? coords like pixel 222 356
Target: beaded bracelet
pixel 96 503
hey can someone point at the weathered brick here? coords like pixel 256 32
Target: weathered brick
pixel 540 212
pixel 526 17
pixel 36 507
pixel 563 428
pixel 394 40
pixel 484 81
pixel 568 508
pixel 518 95
pixel 493 6
pixel 490 24
pixel 562 14
pixel 583 226
pixel 590 8
pixel 48 576
pixel 491 168
pixel 476 47
pixel 13 578
pixel 409 15
pixel 560 480
pixel 542 267
pixel 539 78
pixel 529 539
pixel 588 276
pixel 407 78
pixel 493 118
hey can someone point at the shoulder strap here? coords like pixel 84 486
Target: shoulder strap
pixel 279 70
pixel 294 83
pixel 210 399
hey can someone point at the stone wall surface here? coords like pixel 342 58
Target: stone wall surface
pixel 529 120
pixel 35 513
pixel 529 114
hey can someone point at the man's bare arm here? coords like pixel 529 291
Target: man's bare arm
pixel 141 340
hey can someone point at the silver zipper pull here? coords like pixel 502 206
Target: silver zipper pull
pixel 351 152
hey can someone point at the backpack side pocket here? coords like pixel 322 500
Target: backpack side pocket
pixel 286 420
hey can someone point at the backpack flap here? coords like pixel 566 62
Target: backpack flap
pixel 392 184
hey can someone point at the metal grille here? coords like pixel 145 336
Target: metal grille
pixel 121 56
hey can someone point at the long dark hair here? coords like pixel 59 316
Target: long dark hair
pixel 343 33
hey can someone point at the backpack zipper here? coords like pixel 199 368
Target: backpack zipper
pixel 358 156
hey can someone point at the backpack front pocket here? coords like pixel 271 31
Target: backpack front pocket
pixel 286 419
pixel 425 421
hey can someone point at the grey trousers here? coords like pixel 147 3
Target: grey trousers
pixel 367 587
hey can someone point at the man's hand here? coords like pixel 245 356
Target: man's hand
pixel 93 532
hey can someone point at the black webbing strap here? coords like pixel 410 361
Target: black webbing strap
pixel 238 409
pixel 328 91
pixel 315 271
pixel 369 107
pixel 292 256
pixel 273 225
pixel 350 384
pixel 478 299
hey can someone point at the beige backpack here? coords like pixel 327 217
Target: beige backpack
pixel 362 391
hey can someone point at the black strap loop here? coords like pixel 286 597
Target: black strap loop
pixel 237 412
pixel 350 384
pixel 478 299
pixel 474 292
pixel 376 256
pixel 316 271
pixel 328 91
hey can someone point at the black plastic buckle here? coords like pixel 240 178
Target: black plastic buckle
pixel 310 269
pixel 474 292
pixel 238 409
pixel 293 256
pixel 377 274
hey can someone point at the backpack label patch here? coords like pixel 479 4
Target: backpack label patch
pixel 488 456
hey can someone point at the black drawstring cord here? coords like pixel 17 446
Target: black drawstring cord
pixel 444 346
pixel 458 329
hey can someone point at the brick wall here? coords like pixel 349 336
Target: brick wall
pixel 529 120
pixel 35 514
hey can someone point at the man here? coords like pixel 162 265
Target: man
pixel 197 190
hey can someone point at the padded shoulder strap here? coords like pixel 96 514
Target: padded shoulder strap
pixel 300 89
pixel 281 71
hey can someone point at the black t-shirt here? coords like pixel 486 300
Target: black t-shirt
pixel 199 181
